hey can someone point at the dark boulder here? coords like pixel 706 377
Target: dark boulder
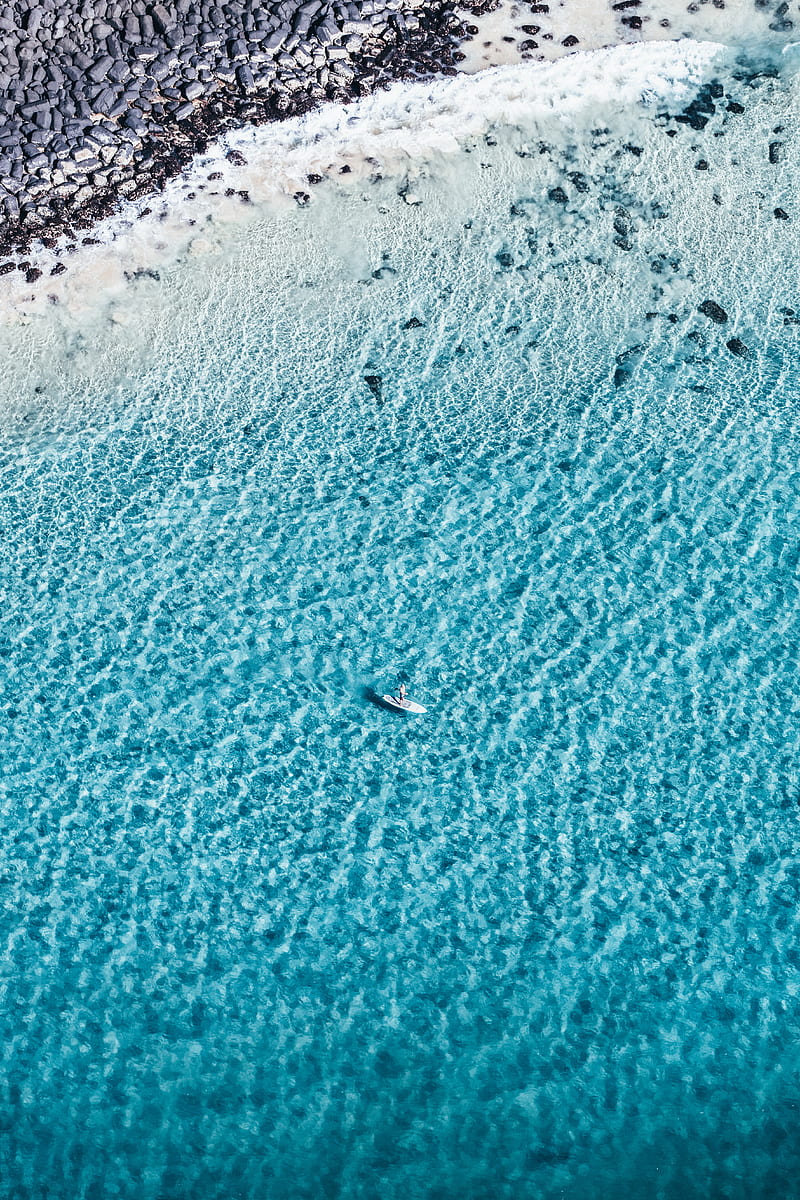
pixel 161 18
pixel 99 71
pixel 697 114
pixel 626 363
pixel 737 347
pixel 579 181
pixel 375 385
pixel 715 312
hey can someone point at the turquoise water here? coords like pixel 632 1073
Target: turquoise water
pixel 264 938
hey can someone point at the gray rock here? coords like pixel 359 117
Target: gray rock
pixel 162 19
pixel 134 119
pixel 119 72
pixel 327 32
pixel 160 70
pixel 30 110
pixel 100 135
pixel 301 23
pixel 100 70
pixel 246 79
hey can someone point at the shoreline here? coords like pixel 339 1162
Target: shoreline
pixel 386 146
pixel 54 185
pixel 412 43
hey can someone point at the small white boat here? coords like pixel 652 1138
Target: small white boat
pixel 405 705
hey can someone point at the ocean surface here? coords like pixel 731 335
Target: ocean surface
pixel 515 422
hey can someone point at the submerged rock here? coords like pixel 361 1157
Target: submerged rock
pixel 579 181
pixel 697 114
pixel 626 362
pixel 715 312
pixel 737 347
pixel 375 385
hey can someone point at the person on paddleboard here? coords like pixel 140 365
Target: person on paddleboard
pixel 401 694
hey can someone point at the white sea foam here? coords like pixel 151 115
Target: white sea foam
pixel 399 133
pixel 591 24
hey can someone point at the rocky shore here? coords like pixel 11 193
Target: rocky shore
pixel 106 99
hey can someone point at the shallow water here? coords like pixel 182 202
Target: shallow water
pixel 265 938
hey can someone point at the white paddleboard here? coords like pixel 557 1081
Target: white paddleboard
pixel 405 705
